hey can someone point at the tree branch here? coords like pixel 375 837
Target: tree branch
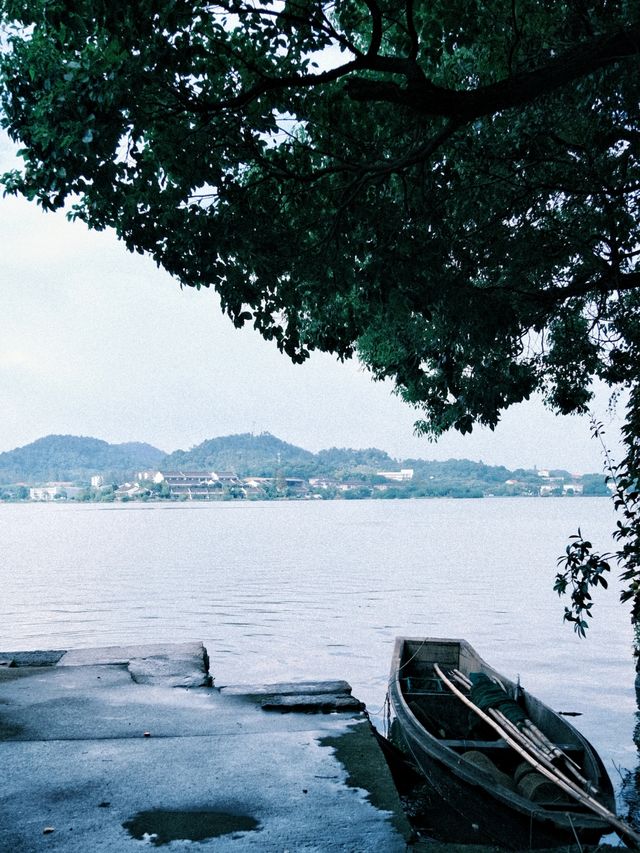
pixel 424 97
pixel 413 34
pixel 517 34
pixel 376 28
pixel 612 281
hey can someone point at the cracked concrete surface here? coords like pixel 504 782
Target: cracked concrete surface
pixel 109 749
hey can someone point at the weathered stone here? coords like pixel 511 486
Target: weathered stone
pixel 321 703
pixel 78 760
pixel 37 658
pixel 124 654
pixel 169 664
pixel 170 672
pixel 300 688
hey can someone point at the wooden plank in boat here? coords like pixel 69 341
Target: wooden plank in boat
pixel 446 653
pixel 498 744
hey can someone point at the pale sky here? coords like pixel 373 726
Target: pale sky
pixel 95 341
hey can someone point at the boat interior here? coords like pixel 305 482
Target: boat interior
pixel 455 726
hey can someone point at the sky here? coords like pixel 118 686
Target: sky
pixel 98 342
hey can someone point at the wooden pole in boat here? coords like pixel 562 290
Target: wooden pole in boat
pixel 537 738
pixel 464 679
pixel 629 835
pixel 541 736
pixel 541 752
pixel 540 755
pixel 526 751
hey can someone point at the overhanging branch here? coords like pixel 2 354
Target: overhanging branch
pixel 611 282
pixel 422 96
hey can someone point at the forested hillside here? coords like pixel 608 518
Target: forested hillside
pixel 71 458
pixel 78 458
pixel 264 455
pixel 246 454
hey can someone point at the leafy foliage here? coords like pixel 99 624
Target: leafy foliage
pixel 583 570
pixel 594 485
pixel 337 460
pixel 448 189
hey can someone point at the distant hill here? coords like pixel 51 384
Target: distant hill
pixel 78 458
pixel 71 458
pixel 340 460
pixel 264 455
pixel 261 455
pixel 463 470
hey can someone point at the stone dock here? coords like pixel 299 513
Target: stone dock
pixel 118 748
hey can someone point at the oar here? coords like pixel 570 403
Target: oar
pixel 629 835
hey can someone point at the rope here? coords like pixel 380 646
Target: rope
pixel 387 715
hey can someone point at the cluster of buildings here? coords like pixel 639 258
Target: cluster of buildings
pixel 207 485
pixel 194 485
pixel 211 485
pixel 553 486
pixel 199 485
pixel 55 491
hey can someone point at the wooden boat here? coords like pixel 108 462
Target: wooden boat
pixel 475 769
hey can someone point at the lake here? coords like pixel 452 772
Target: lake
pixel 320 589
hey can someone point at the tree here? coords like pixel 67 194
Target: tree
pixel 594 485
pixel 448 190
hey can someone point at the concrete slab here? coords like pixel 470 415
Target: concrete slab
pixel 95 761
pixel 324 702
pixel 174 665
pixel 293 688
pixel 37 658
pixel 125 654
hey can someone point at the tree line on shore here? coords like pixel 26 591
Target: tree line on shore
pixel 336 472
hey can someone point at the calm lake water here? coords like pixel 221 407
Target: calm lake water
pixel 310 590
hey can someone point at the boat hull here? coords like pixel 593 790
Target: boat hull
pixel 486 811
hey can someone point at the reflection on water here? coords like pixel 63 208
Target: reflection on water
pixel 320 590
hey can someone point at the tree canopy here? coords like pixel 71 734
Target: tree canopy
pixel 447 189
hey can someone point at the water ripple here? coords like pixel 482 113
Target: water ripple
pixel 320 589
